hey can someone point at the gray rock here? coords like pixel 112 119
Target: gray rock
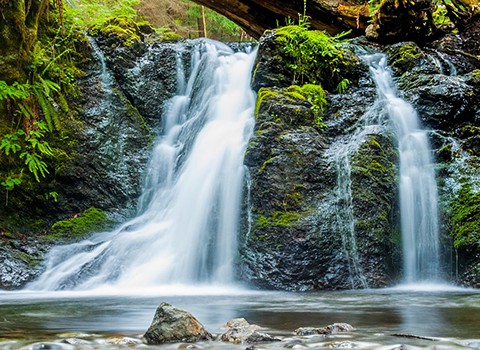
pixel 330 329
pixel 240 331
pixel 175 325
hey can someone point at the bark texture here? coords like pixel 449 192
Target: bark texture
pixel 256 16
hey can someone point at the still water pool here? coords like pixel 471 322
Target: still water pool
pixel 449 318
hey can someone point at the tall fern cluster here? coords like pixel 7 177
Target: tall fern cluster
pixel 34 112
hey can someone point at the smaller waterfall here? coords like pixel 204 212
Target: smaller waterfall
pixel 105 75
pixel 417 187
pixel 344 217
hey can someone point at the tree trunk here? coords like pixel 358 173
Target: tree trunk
pixel 18 34
pixel 256 16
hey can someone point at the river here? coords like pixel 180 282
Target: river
pixel 451 317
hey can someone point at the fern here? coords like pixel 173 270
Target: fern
pixel 14 91
pixel 11 143
pixel 35 164
pixel 49 112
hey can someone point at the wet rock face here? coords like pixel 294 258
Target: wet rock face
pixel 271 69
pixel 171 324
pixel 428 79
pixel 145 72
pixel 121 111
pixel 291 239
pixel 118 114
pixel 20 261
pixel 437 83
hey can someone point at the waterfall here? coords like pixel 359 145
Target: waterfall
pixel 417 185
pixel 188 218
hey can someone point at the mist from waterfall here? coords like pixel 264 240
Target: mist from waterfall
pixel 186 229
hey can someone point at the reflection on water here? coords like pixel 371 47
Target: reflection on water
pixel 376 315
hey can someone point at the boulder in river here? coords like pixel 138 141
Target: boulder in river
pixel 240 331
pixel 330 329
pixel 171 324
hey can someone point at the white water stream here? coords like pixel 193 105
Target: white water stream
pixel 186 230
pixel 417 187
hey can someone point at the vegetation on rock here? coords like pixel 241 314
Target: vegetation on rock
pixel 278 218
pixel 76 228
pixel 312 95
pixel 314 57
pixel 466 218
pixel 36 120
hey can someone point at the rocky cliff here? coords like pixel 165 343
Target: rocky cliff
pixel 322 209
pixel 320 202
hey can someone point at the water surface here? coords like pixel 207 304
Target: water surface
pixel 378 315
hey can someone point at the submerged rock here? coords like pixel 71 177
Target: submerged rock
pixel 330 329
pixel 240 331
pixel 171 324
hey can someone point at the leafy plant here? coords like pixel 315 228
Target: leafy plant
pixel 342 86
pixel 315 95
pixel 28 148
pixel 313 56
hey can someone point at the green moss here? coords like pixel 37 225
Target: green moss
pixel 373 185
pixel 440 17
pixel 265 163
pixel 375 163
pixel 292 200
pixel 26 258
pixel 465 212
pixel 470 130
pixel 405 56
pixel 278 219
pixel 167 35
pixel 124 27
pixel 314 56
pixel 313 94
pixel 263 95
pixel 445 153
pixel 90 221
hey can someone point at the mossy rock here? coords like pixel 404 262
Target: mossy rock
pixel 278 219
pixel 465 211
pixel 404 56
pixel 125 28
pixel 28 259
pixel 166 34
pixel 315 57
pixel 90 221
pixel 294 105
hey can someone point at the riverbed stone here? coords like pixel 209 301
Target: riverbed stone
pixel 171 324
pixel 240 331
pixel 327 330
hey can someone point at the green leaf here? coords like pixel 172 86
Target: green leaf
pixel 35 164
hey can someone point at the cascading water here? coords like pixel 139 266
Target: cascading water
pixel 189 210
pixel 417 188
